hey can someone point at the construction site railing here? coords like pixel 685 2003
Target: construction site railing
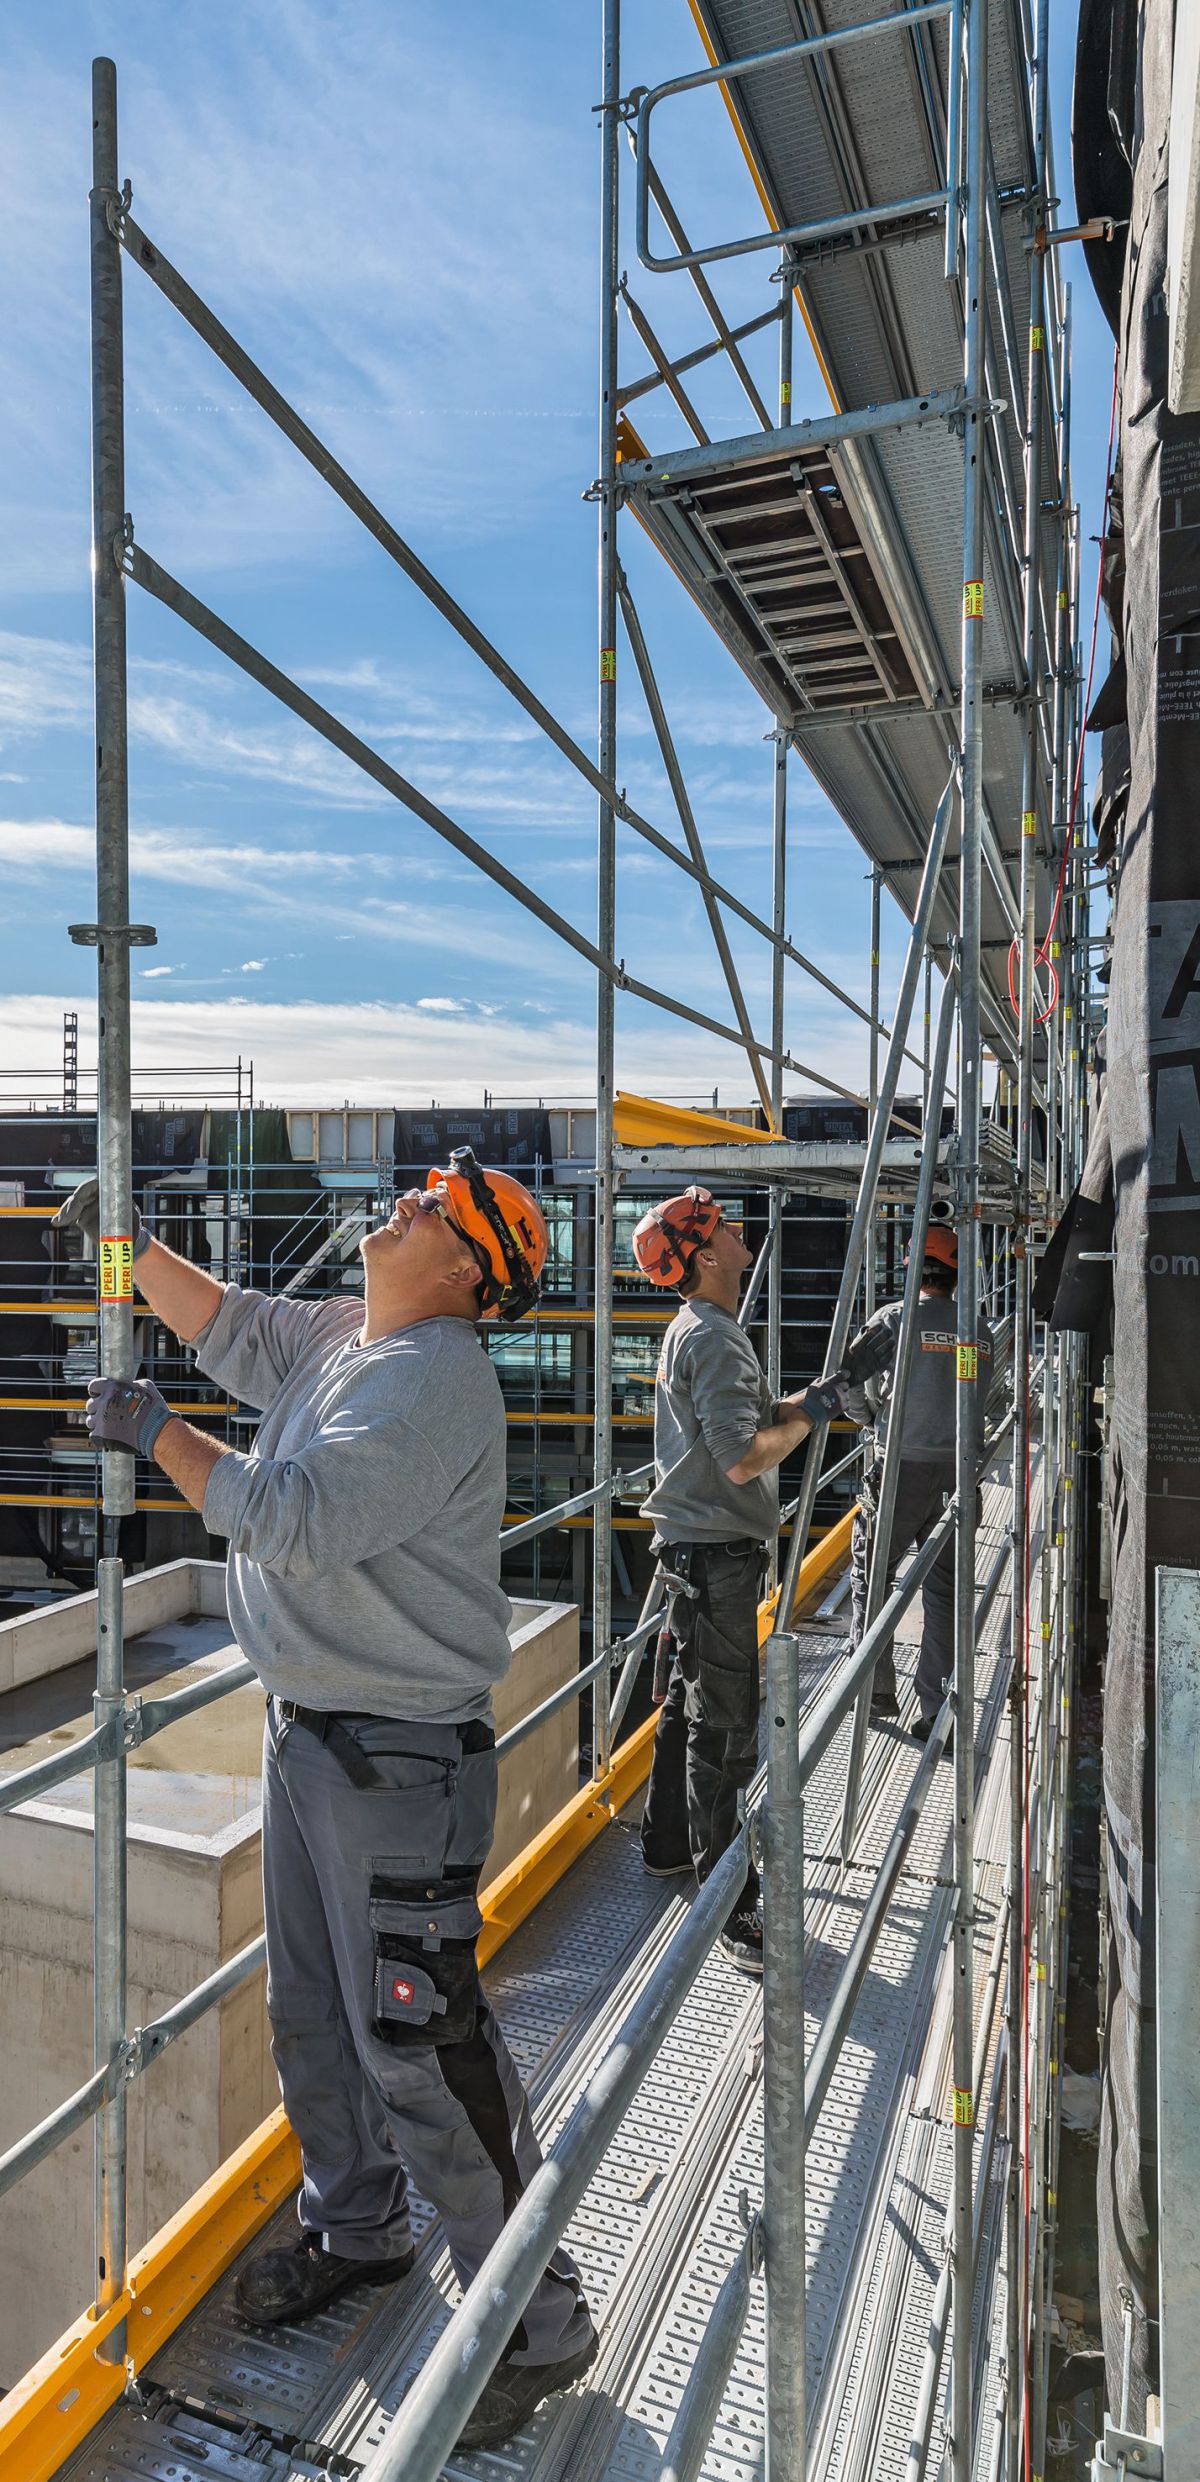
pixel 110 1742
pixel 424 2430
pixel 727 73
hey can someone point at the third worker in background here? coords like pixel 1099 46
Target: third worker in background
pixel 927 1468
pixel 718 1441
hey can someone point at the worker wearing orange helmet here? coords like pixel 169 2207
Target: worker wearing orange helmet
pixel 927 1466
pixel 718 1442
pixel 364 1586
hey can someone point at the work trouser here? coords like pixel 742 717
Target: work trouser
pixel 706 1745
pixel 921 1494
pixel 390 2060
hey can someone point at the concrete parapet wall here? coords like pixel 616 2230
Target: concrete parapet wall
pixel 194 1899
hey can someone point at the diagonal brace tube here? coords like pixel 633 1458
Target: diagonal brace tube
pixel 687 821
pixel 901 1373
pixel 865 1205
pixel 166 589
pixel 423 2433
pixel 246 372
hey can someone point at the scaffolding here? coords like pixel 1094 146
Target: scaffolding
pixel 927 673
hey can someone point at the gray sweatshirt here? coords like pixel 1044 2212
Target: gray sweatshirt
pixel 710 1398
pixel 364 1525
pixel 930 1410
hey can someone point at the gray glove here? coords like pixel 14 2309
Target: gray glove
pixel 81 1213
pixel 126 1413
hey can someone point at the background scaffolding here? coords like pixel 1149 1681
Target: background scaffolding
pixel 926 668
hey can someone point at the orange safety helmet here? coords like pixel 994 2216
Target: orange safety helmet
pixel 505 1227
pixel 667 1238
pixel 941 1243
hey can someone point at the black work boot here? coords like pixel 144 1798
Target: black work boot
pixel 289 2284
pixel 514 2391
pixel 741 1941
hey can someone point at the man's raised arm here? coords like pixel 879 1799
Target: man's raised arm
pixel 183 1296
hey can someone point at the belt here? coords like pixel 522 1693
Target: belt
pixel 743 1543
pixel 331 1727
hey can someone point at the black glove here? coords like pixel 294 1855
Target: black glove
pixel 81 1213
pixel 126 1413
pixel 873 1350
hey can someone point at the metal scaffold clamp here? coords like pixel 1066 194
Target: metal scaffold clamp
pixel 117 204
pixel 135 934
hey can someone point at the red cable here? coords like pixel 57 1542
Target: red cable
pixel 1069 840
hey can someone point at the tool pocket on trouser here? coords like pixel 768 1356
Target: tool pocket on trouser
pixel 426 1979
pixel 405 1817
pixel 722 1689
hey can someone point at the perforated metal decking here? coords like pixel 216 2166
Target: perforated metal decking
pixel 660 2226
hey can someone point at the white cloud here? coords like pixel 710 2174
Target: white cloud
pixel 315 1052
pixel 154 973
pixel 447 1008
pixel 254 965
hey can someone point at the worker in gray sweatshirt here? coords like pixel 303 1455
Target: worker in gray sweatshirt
pixel 927 1467
pixel 364 1586
pixel 719 1441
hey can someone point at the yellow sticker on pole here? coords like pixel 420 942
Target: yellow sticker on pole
pixel 1037 338
pixel 1041 1971
pixel 608 663
pixel 1062 598
pixel 973 598
pixel 968 1361
pixel 1029 822
pixel 116 1266
pixel 964 2107
pixel 785 391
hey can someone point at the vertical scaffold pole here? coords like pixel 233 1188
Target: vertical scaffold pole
pixel 1021 2068
pixel 783 2067
pixel 779 739
pixel 975 444
pixel 115 1169
pixel 606 873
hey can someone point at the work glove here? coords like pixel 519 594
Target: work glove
pixel 873 1350
pixel 825 1400
pixel 126 1413
pixel 81 1213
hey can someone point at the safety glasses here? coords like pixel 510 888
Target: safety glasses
pixel 433 1202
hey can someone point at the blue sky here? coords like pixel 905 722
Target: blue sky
pixel 395 209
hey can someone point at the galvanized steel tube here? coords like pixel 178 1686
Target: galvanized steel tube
pixel 901 1373
pixel 975 448
pixel 606 872
pixel 1019 2172
pixel 116 1174
pixel 428 2422
pixel 783 2067
pixel 691 2430
pixel 869 1182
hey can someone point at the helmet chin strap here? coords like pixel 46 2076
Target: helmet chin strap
pixel 520 1291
